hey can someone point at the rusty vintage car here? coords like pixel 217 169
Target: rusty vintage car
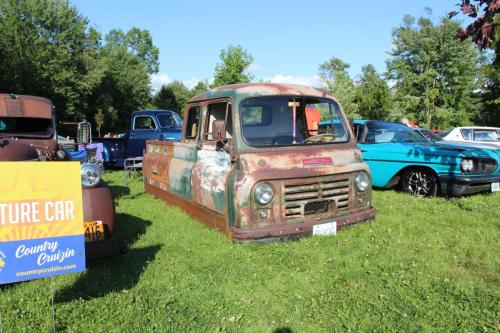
pixel 254 163
pixel 28 133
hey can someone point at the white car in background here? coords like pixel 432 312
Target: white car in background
pixel 473 134
pixel 66 143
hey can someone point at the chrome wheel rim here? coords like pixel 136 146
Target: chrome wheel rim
pixel 420 184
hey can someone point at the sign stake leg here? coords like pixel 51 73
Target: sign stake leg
pixel 52 292
pixel 1 324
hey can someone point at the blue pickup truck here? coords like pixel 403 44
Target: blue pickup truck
pixel 144 125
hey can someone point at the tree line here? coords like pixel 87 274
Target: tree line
pixel 48 48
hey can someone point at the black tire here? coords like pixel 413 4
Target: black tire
pixel 420 183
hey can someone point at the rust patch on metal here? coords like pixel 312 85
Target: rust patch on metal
pixel 13 150
pixel 206 216
pixel 291 230
pixel 25 106
pixel 263 89
pixel 98 206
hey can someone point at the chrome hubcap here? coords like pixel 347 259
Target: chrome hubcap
pixel 420 184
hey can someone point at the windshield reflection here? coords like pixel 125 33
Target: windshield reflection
pixel 384 132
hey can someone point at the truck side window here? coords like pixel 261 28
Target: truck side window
pixel 217 111
pixel 144 122
pixel 192 124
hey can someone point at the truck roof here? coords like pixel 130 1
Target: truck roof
pixel 25 106
pixel 150 111
pixel 261 89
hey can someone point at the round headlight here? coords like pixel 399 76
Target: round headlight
pixel 91 175
pixel 362 181
pixel 61 154
pixel 466 165
pixel 263 193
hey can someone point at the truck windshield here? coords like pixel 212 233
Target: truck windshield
pixel 284 121
pixel 169 120
pixel 15 126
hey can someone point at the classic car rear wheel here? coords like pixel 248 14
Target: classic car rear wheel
pixel 420 182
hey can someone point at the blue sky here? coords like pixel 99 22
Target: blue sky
pixel 288 39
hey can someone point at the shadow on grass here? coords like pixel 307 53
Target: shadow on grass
pixel 283 330
pixel 119 191
pixel 129 228
pixel 118 273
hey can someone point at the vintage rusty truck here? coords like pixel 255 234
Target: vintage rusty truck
pixel 28 133
pixel 253 163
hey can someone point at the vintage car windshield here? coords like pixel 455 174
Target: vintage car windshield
pixel 20 126
pixel 284 121
pixel 169 120
pixel 429 135
pixel 444 133
pixel 384 132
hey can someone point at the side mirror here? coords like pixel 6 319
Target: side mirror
pixel 219 130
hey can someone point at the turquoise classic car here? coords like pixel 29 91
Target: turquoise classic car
pixel 397 156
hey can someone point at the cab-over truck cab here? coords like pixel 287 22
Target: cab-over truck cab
pixel 28 133
pixel 254 163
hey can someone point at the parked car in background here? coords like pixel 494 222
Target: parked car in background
pixel 28 133
pixel 433 138
pixel 163 125
pixel 65 142
pixel 489 135
pixel 397 155
pixel 253 163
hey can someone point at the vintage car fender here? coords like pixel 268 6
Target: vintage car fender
pixel 98 206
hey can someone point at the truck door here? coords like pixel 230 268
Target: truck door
pixel 213 164
pixel 184 155
pixel 170 126
pixel 143 128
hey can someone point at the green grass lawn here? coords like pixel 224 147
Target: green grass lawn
pixel 423 265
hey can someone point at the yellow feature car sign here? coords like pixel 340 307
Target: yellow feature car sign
pixel 41 220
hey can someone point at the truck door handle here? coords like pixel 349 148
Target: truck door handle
pixel 132 135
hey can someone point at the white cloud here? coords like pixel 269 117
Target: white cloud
pixel 253 68
pixel 313 80
pixel 158 80
pixel 191 83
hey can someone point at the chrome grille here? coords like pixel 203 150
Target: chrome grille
pixel 316 197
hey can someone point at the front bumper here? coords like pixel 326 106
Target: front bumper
pixel 299 229
pixel 459 185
